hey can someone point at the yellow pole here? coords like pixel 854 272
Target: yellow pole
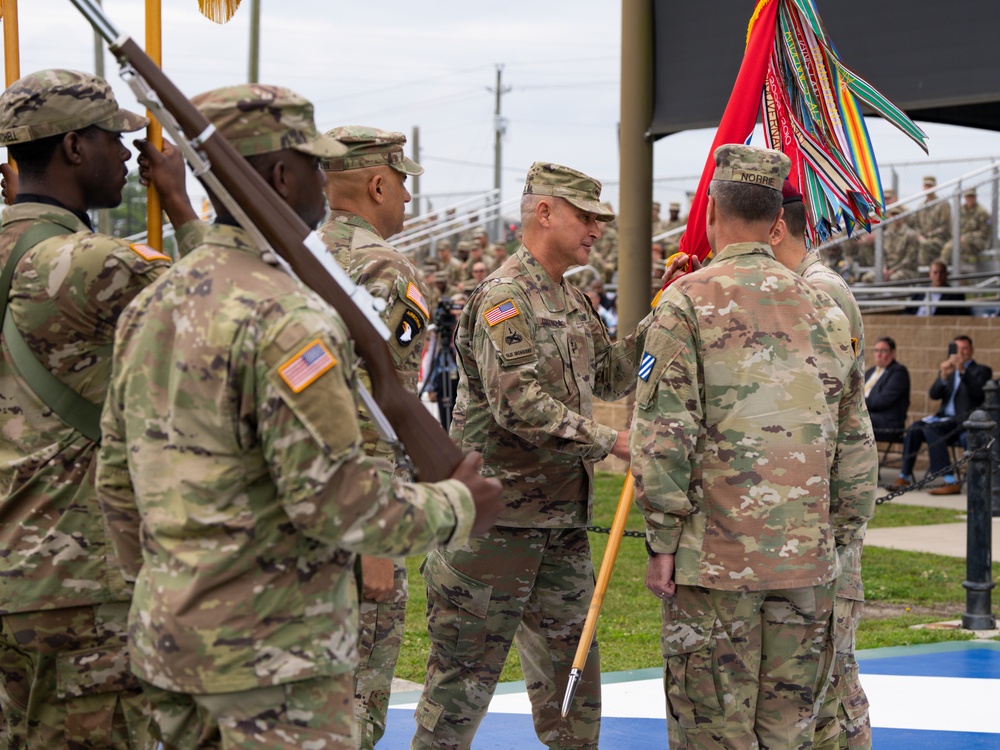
pixel 600 589
pixel 154 133
pixel 11 48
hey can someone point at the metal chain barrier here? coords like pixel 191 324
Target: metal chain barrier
pixel 930 478
pixel 607 530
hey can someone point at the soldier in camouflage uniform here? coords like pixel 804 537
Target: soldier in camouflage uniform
pixel 932 224
pixel 672 244
pixel 976 231
pixel 232 476
pixel 606 247
pixel 446 262
pixel 533 355
pixel 843 720
pixel 901 249
pixel 367 195
pixel 755 466
pixel 64 677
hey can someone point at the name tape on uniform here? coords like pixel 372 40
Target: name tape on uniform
pixel 501 312
pixel 308 364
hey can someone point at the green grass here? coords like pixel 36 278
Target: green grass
pixel 911 587
pixel 892 514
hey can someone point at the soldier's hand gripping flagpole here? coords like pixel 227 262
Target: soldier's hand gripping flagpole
pixel 597 600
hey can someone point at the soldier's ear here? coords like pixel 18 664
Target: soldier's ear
pixel 277 176
pixel 375 188
pixel 72 147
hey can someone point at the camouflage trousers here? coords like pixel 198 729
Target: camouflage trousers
pixel 843 719
pixel 65 681
pixel 379 641
pixel 529 585
pixel 746 670
pixel 316 714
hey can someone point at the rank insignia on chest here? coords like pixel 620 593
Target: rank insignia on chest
pixel 306 366
pixel 147 253
pixel 413 294
pixel 408 327
pixel 646 365
pixel 501 312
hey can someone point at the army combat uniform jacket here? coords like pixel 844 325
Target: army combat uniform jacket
pixel 534 355
pixel 752 452
pixel 373 264
pixel 832 283
pixel 66 295
pixel 232 407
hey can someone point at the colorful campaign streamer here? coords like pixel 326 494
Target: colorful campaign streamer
pixel 810 103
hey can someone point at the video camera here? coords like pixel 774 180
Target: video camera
pixel 444 320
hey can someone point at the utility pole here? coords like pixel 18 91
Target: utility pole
pixel 415 155
pixel 254 41
pixel 499 129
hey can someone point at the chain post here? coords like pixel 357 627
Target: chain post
pixel 992 407
pixel 978 557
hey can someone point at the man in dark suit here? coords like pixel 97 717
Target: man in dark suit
pixel 939 280
pixel 887 390
pixel 959 386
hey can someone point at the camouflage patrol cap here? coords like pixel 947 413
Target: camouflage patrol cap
pixel 259 119
pixel 930 180
pixel 51 102
pixel 545 178
pixel 467 246
pixel 370 147
pixel 749 165
pixel 674 206
pixel 970 193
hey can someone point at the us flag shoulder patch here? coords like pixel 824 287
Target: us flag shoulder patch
pixel 412 293
pixel 646 365
pixel 308 364
pixel 501 312
pixel 148 253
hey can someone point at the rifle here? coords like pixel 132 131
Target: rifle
pixel 273 225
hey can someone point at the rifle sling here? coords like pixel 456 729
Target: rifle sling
pixel 82 415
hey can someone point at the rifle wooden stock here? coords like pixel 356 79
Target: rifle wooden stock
pixel 431 450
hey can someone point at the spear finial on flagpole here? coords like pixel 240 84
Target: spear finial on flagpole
pixel 219 11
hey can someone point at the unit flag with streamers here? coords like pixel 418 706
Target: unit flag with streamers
pixel 810 104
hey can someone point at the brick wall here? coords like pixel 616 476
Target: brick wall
pixel 921 345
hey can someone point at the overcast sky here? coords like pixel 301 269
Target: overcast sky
pixel 432 64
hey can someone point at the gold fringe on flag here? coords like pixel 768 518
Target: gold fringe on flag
pixel 219 11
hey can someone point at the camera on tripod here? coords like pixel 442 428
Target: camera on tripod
pixel 444 320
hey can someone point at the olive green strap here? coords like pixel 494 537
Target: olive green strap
pixel 82 415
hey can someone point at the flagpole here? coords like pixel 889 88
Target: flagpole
pixel 600 589
pixel 11 48
pixel 154 133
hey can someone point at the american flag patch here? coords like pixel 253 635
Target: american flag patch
pixel 501 312
pixel 148 253
pixel 302 369
pixel 646 365
pixel 414 294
